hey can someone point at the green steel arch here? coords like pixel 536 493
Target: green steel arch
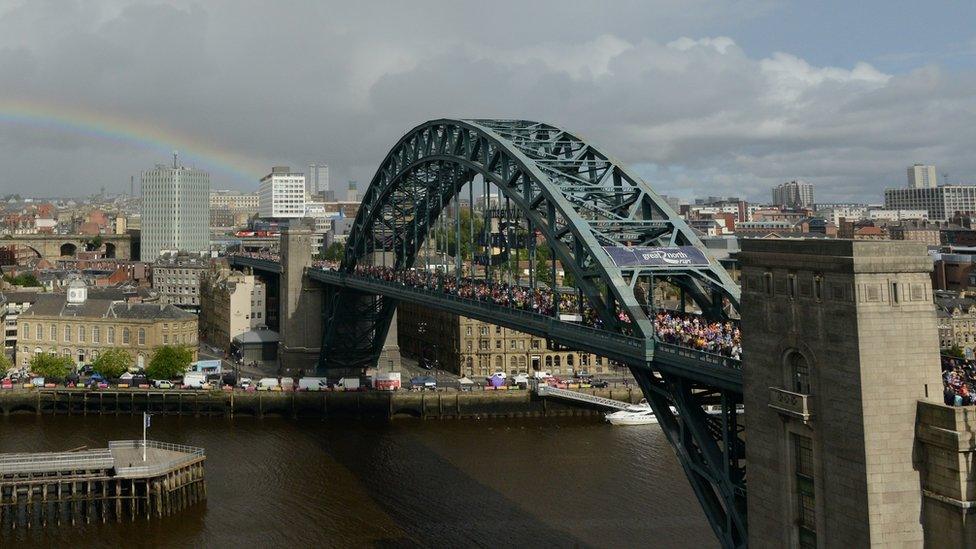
pixel 576 196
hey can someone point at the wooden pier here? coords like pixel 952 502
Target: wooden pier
pixel 113 483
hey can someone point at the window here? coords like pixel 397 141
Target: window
pixel 806 502
pixel 67 332
pixel 111 334
pixel 40 331
pixel 791 286
pixel 799 373
pixel 165 339
pixel 894 293
pixel 54 332
pixel 768 283
pixel 125 336
pixel 818 287
pixel 81 333
pixel 26 331
pixel 96 334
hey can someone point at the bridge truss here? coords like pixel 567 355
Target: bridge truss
pixel 559 192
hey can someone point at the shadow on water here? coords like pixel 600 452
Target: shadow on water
pixel 282 483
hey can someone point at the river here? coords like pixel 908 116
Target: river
pixel 284 483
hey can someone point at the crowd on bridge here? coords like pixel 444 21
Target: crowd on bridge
pixel 694 331
pixel 687 330
pixel 959 381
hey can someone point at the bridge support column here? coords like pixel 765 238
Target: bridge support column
pixel 840 342
pixel 300 302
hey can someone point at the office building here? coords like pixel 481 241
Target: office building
pixel 793 194
pixel 352 195
pixel 921 176
pixel 234 201
pixel 232 304
pixel 941 203
pixel 318 178
pixel 282 194
pixel 175 211
pixel 177 279
pixel 82 328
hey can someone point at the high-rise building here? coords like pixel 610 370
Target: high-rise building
pixel 941 203
pixel 318 178
pixel 282 194
pixel 793 194
pixel 921 176
pixel 175 210
pixel 352 194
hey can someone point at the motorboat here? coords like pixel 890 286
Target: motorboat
pixel 637 414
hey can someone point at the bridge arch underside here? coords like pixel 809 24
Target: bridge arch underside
pixel 574 201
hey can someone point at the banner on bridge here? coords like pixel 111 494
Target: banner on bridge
pixel 647 256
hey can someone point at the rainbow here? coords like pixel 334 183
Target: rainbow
pixel 131 131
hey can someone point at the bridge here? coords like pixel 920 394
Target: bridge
pixel 528 226
pixel 57 246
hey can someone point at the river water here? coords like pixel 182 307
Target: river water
pixel 490 483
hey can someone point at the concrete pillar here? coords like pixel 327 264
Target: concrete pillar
pixel 300 301
pixel 840 341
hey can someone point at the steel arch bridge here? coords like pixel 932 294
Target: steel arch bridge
pixel 580 200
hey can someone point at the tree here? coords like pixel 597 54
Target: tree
pixel 48 365
pixel 334 252
pixel 5 363
pixel 955 351
pixel 169 361
pixel 113 363
pixel 94 243
pixel 23 279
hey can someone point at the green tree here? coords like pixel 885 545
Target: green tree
pixel 334 252
pixel 94 243
pixel 955 351
pixel 23 279
pixel 5 363
pixel 169 361
pixel 113 362
pixel 48 365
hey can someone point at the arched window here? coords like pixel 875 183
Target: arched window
pixel 81 333
pixel 548 362
pixel 499 364
pixel 557 361
pixel 513 365
pixel 125 336
pixel 67 332
pixel 569 360
pixel 799 371
pixel 142 336
pixel 96 334
pixel 521 363
pixel 40 331
pixel 26 331
pixel 111 335
pixel 54 332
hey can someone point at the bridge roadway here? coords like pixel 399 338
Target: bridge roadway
pixel 714 370
pixel 707 368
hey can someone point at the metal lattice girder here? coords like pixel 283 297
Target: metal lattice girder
pixel 576 196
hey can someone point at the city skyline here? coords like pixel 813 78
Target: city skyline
pixel 734 98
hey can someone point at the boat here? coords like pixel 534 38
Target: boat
pixel 638 414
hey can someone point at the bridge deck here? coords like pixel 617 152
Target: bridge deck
pixel 545 390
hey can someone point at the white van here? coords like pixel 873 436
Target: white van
pixel 312 384
pixel 194 380
pixel 267 383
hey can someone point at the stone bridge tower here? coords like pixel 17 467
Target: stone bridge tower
pixel 300 303
pixel 841 343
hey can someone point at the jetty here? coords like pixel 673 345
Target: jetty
pixel 114 483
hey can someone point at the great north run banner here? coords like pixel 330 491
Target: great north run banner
pixel 646 256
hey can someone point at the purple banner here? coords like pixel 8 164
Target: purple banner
pixel 646 256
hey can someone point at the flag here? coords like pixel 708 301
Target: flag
pixel 146 420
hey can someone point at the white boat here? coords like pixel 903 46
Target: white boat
pixel 638 414
pixel 627 417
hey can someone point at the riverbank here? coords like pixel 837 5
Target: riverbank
pixel 364 404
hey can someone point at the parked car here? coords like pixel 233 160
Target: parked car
pixel 163 384
pixel 246 383
pixel 599 383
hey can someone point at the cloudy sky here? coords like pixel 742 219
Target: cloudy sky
pixel 702 98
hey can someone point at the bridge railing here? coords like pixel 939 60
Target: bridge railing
pixel 559 329
pixel 697 354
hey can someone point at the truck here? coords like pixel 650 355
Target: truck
pixel 387 381
pixel 348 384
pixel 312 384
pixel 194 380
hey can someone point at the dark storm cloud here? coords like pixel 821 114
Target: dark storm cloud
pixel 659 86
